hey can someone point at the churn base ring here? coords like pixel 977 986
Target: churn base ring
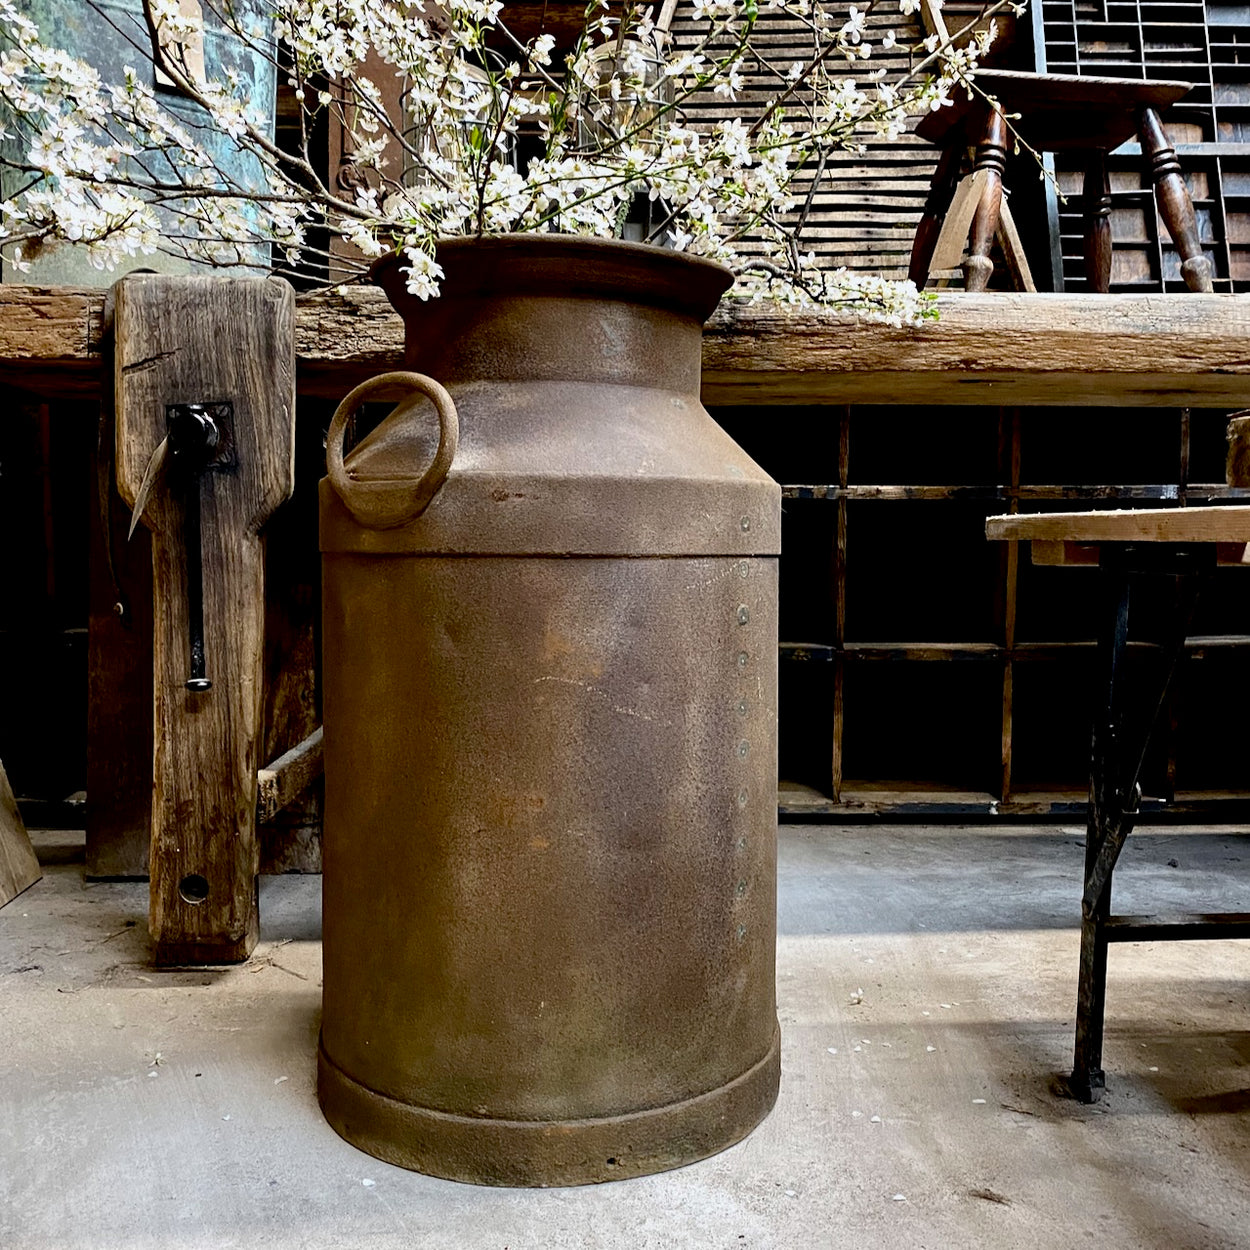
pixel 542 1154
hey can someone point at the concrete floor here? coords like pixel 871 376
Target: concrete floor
pixel 176 1109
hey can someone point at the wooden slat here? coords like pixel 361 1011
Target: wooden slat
pixel 1177 927
pixel 807 652
pixel 1150 525
pixel 119 682
pixel 926 651
pixel 19 869
pixel 839 601
pixel 281 782
pixel 865 213
pixel 1072 554
pixel 1009 449
pixel 894 493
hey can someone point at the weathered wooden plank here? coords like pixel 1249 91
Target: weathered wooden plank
pixel 287 777
pixel 1150 525
pixel 19 868
pixel 1011 349
pixel 119 683
pixel 1017 349
pixel 839 606
pixel 1049 552
pixel 290 841
pixel 184 341
pixel 1237 465
pixel 50 339
pixel 1020 349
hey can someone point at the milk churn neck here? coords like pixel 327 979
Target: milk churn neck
pixel 574 367
pixel 566 265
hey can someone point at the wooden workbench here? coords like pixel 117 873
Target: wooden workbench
pixel 1003 354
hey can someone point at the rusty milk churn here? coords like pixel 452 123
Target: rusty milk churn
pixel 550 732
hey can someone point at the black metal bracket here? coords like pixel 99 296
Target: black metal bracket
pixel 201 440
pixel 1119 741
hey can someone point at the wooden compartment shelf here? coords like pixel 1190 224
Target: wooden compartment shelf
pixel 928 672
pixel 1206 44
pixel 779 380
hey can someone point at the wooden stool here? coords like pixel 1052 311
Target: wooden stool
pixel 1057 113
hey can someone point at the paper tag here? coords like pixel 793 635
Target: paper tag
pixel 953 240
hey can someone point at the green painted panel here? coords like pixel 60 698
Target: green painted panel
pixel 108 35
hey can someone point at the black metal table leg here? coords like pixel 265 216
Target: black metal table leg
pixel 1116 757
pixel 1087 1074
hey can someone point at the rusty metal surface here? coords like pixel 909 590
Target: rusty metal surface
pixel 549 913
pixel 581 430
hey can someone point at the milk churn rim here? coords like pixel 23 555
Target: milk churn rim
pixel 565 265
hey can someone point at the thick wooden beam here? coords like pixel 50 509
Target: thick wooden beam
pixel 1001 349
pixel 227 343
pixel 1016 349
pixel 50 340
pixel 1010 349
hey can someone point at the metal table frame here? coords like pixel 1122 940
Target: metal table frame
pixel 1131 546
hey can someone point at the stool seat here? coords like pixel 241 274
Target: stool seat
pixel 1058 112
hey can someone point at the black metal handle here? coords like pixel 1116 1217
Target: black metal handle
pixel 194 438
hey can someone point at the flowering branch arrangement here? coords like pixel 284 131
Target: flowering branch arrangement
pixel 495 132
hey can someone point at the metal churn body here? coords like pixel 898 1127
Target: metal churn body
pixel 550 733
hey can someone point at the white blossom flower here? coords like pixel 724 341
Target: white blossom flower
pixel 121 170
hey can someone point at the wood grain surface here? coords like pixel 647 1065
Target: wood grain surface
pixel 1144 525
pixel 119 682
pixel 1001 348
pixel 19 869
pixel 287 777
pixel 187 340
pixel 50 339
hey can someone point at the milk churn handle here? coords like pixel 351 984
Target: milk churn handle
pixel 388 502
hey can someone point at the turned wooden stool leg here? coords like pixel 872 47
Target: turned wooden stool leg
pixel 991 157
pixel 1172 197
pixel 1096 195
pixel 941 192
